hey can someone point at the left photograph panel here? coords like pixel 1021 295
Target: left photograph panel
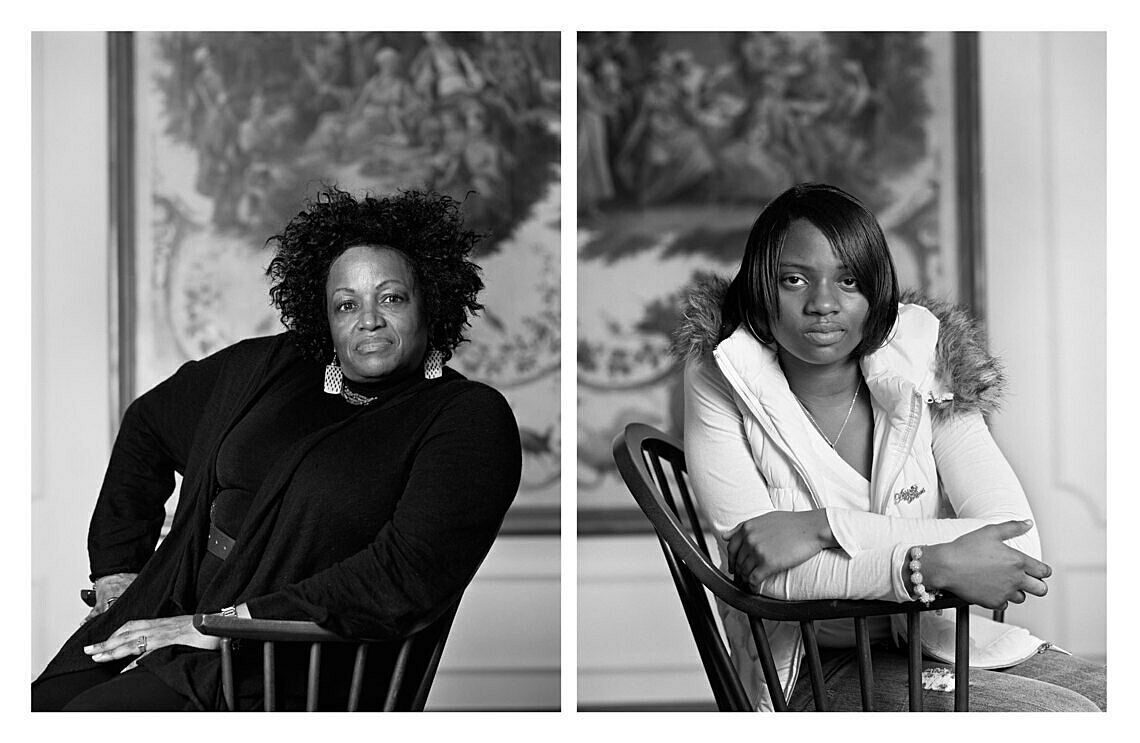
pixel 295 338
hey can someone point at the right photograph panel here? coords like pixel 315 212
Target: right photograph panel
pixel 812 268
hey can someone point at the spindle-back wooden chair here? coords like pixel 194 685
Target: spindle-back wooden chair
pixel 411 678
pixel 652 464
pixel 410 681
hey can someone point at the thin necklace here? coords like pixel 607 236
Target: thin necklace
pixel 811 418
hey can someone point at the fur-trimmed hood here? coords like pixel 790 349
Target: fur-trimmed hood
pixel 963 365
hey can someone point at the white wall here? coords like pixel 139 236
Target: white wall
pixel 70 356
pixel 1043 140
pixel 504 648
pixel 634 646
pixel 1043 124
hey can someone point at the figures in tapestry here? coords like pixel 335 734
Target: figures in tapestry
pixel 684 136
pixel 235 129
pixel 454 112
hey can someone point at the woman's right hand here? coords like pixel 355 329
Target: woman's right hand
pixel 775 541
pixel 980 568
pixel 108 589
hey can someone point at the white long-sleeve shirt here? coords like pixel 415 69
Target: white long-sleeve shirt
pixel 977 482
pixel 751 450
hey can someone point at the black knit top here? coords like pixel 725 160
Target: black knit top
pixel 287 413
pixel 368 520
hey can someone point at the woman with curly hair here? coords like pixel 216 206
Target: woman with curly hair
pixel 335 473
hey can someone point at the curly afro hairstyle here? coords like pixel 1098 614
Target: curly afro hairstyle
pixel 426 227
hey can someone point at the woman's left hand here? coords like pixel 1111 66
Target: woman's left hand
pixel 126 640
pixel 776 541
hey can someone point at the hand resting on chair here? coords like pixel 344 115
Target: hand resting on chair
pixel 776 541
pixel 977 566
pixel 141 636
pixel 980 568
pixel 108 589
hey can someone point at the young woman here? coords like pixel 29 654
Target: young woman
pixel 835 439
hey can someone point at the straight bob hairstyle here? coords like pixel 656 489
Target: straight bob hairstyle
pixel 854 234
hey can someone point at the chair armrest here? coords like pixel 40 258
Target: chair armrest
pixel 268 630
pixel 798 611
pixel 764 607
pixel 289 630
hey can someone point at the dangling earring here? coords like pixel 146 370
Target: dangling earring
pixel 334 377
pixel 433 364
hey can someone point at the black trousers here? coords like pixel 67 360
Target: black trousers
pixel 106 690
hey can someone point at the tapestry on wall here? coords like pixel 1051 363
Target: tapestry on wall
pixel 683 138
pixel 234 130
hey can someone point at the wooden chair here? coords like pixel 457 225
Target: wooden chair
pixel 408 685
pixel 642 454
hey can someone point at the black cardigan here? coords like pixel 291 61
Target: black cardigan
pixel 371 527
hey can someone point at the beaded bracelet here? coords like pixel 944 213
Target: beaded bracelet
pixel 920 591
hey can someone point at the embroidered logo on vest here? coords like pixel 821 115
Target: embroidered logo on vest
pixel 909 494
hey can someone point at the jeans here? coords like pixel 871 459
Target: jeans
pixel 1051 681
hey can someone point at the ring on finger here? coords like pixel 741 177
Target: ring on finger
pixel 141 644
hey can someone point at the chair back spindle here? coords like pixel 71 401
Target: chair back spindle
pixel 357 676
pixel 914 660
pixel 866 674
pixel 228 673
pixel 397 675
pixel 815 666
pixel 962 666
pixel 313 688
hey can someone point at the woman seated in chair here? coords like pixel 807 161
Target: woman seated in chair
pixel 834 437
pixel 336 473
